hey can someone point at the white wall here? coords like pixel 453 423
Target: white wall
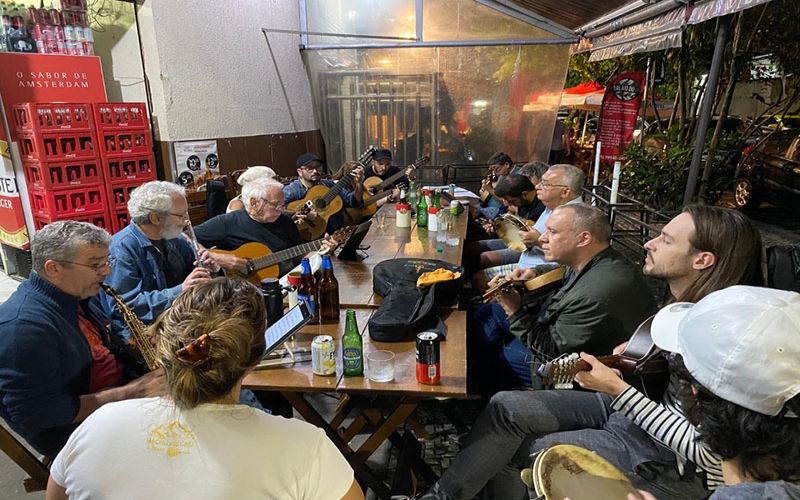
pixel 211 74
pixel 118 47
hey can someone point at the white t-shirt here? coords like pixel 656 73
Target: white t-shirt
pixel 148 448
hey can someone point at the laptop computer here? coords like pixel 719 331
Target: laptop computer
pixel 277 333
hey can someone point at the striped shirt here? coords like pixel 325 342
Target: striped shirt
pixel 666 423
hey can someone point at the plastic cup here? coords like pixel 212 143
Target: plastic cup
pixel 380 366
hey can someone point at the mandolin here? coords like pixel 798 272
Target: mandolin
pixel 374 191
pixel 651 373
pixel 263 263
pixel 539 285
pixel 325 201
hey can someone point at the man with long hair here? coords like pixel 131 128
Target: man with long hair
pixel 701 250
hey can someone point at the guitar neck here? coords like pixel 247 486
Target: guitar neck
pixel 336 189
pixel 616 361
pixel 376 198
pixel 289 253
pixel 391 180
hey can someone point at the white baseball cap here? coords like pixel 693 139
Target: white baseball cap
pixel 741 343
pixel 255 172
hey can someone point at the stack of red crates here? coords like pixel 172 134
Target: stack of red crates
pixel 126 154
pixel 61 162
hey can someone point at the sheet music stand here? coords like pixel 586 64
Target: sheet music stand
pixel 350 249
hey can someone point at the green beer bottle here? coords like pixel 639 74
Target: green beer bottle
pixel 422 210
pixel 352 358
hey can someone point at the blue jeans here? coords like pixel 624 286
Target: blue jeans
pixel 518 423
pixel 496 359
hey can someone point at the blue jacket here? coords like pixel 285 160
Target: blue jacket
pixel 45 364
pixel 137 278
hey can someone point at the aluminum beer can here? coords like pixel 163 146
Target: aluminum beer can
pixel 427 351
pixel 323 355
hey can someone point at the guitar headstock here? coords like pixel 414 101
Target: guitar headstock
pixel 367 156
pixel 342 235
pixel 560 372
pixel 420 162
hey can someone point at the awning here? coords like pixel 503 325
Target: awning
pixel 657 26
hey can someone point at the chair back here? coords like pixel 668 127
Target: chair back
pixel 27 461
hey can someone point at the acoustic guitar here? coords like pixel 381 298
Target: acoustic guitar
pixel 325 201
pixel 374 191
pixel 651 373
pixel 263 263
pixel 540 285
pixel 486 195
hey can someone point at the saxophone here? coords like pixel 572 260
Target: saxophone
pixel 137 328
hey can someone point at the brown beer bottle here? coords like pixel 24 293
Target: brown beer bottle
pixel 328 287
pixel 308 290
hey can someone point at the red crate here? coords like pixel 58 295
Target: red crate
pixel 125 142
pixel 67 202
pixel 130 168
pixel 99 219
pixel 120 193
pixel 62 174
pixel 119 219
pixel 52 117
pixel 120 115
pixel 57 146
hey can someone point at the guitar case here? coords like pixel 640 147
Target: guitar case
pixel 407 310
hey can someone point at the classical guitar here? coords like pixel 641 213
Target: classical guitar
pixel 263 263
pixel 374 191
pixel 486 194
pixel 651 372
pixel 539 285
pixel 325 201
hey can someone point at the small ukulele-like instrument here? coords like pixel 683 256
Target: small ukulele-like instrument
pixel 325 201
pixel 651 372
pixel 539 285
pixel 263 263
pixel 486 194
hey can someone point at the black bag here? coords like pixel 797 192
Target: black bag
pixel 406 309
pixel 783 267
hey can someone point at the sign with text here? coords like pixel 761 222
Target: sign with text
pixel 37 78
pixel 196 162
pixel 621 104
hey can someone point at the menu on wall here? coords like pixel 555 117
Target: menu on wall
pixel 195 163
pixel 618 113
pixel 37 78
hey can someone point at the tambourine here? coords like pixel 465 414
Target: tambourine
pixel 507 227
pixel 567 471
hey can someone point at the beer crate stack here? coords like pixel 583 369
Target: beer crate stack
pixel 126 154
pixel 62 166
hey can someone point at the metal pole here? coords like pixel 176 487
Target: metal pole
pixel 708 105
pixel 280 80
pixel 418 19
pixel 448 43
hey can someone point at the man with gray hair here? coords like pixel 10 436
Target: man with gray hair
pixel 54 351
pixel 155 263
pixel 261 221
pixel 559 185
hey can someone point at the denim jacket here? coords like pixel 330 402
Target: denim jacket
pixel 137 278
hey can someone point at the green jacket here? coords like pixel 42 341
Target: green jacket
pixel 594 311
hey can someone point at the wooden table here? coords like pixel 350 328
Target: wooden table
pixel 390 242
pixel 403 394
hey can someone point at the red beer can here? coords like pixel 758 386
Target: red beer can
pixel 427 351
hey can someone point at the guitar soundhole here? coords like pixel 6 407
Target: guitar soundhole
pixel 321 205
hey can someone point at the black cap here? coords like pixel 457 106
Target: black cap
pixel 307 158
pixel 382 154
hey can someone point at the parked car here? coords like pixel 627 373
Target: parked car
pixel 784 122
pixel 770 171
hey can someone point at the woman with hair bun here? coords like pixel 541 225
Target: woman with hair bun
pixel 199 442
pixel 251 174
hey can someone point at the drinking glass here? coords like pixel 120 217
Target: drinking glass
pixel 380 366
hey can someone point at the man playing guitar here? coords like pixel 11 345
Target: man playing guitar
pixel 309 172
pixel 382 168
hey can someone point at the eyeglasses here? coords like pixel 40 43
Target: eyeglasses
pixel 98 268
pixel 184 215
pixel 273 204
pixel 318 168
pixel 548 185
